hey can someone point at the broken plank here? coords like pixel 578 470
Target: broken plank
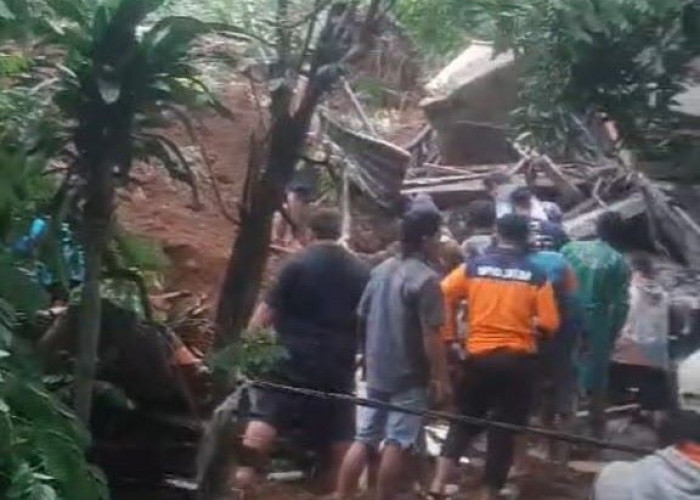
pixel 584 226
pixel 674 223
pixel 571 194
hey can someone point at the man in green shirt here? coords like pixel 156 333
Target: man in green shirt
pixel 603 280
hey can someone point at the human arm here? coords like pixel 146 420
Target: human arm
pixel 277 298
pixel 454 289
pixel 620 300
pixel 26 245
pixel 547 310
pixel 431 314
pixel 263 318
pixel 363 310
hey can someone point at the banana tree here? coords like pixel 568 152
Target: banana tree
pixel 121 85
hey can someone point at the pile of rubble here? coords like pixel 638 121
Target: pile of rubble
pixel 465 140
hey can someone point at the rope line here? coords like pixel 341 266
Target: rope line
pixel 451 417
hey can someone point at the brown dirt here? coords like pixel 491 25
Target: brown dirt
pixel 197 241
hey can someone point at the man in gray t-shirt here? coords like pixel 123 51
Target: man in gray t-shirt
pixel 402 311
pixel 403 299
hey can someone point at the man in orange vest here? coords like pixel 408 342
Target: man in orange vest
pixel 509 300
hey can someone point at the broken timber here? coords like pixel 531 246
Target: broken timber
pixel 375 166
pixel 583 227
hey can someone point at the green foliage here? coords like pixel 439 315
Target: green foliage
pixel 443 27
pixel 24 190
pixel 252 15
pixel 19 288
pixel 123 81
pixel 625 59
pixel 42 445
pixel 255 356
pixel 138 252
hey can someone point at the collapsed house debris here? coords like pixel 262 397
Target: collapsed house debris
pixel 468 105
pixel 450 158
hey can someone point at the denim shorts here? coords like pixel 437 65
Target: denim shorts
pixel 376 425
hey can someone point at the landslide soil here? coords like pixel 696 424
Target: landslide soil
pixel 197 240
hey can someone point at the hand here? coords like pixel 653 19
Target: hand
pixel 455 349
pixel 441 392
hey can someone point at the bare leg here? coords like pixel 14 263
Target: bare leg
pixel 351 470
pixel 389 471
pixel 328 476
pixel 259 438
pixel 444 469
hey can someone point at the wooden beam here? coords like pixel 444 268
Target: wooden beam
pixel 584 226
pixel 571 193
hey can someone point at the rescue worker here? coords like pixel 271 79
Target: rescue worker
pixel 506 295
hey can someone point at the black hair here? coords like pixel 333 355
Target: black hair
pixel 521 197
pixel 609 226
pixel 514 229
pixel 643 264
pixel 325 224
pixel 482 214
pixel 416 226
pixel 496 179
pixel 301 189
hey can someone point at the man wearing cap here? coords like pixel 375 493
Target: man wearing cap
pixel 671 473
pixel 402 312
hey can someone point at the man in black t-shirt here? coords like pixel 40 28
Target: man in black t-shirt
pixel 312 309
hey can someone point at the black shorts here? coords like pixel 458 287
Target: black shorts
pixel 652 384
pixel 319 423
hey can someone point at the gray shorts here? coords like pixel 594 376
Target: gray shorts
pixel 376 425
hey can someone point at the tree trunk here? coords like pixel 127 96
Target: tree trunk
pixel 251 248
pixel 96 227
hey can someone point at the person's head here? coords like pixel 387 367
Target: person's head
pixel 494 180
pixel 325 224
pixel 683 425
pixel 513 230
pixel 420 233
pixel 420 202
pixel 553 211
pixel 482 215
pixel 451 255
pixel 642 264
pixel 521 199
pixel 298 192
pixel 609 227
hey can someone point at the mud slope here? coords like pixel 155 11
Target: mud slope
pixel 198 242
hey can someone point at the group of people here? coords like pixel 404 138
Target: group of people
pixel 524 308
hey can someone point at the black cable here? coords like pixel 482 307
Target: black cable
pixel 452 418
